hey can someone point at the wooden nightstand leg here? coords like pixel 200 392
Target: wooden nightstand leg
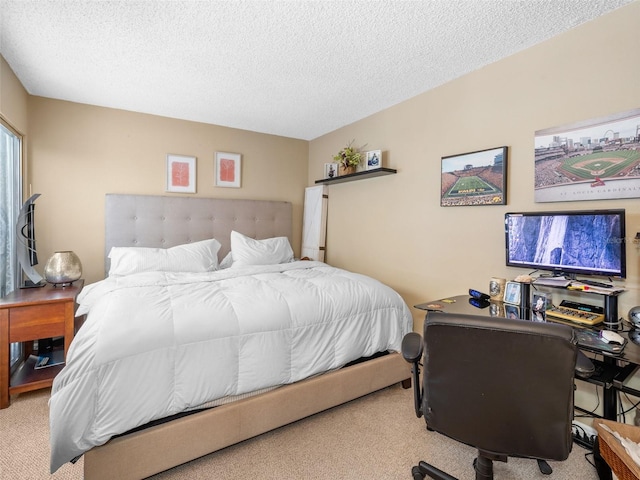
pixel 4 359
pixel 69 325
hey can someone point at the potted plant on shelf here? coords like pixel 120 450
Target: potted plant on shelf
pixel 348 159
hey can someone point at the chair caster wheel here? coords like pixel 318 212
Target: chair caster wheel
pixel 417 473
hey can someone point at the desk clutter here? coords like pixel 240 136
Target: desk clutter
pixel 595 325
pixel 523 291
pixel 582 313
pixel 521 299
pixel 581 285
pixel 595 341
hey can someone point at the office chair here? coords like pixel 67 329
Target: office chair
pixel 500 385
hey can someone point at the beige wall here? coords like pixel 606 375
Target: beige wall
pixel 13 99
pixel 393 227
pixel 78 153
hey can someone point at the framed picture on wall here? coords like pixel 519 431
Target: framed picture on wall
pixel 181 174
pixel 227 169
pixel 595 159
pixel 373 159
pixel 475 178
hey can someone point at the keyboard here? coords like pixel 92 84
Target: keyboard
pixel 577 313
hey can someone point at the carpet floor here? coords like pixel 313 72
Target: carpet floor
pixel 377 436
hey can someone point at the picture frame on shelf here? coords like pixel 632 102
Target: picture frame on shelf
pixel 474 178
pixel 227 169
pixel 373 159
pixel 330 170
pixel 512 293
pixel 181 174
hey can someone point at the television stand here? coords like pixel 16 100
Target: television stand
pixel 594 283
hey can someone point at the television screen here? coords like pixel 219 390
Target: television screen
pixel 568 243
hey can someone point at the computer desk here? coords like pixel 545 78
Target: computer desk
pixel 612 371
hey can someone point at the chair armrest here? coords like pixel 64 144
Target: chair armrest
pixel 412 347
pixel 584 366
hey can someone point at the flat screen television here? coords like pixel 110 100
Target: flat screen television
pixel 569 243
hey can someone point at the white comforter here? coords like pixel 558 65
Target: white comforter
pixel 155 344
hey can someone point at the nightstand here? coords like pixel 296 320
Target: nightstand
pixel 27 315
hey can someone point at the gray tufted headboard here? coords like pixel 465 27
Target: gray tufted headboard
pixel 164 221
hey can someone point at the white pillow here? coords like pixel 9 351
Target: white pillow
pixel 270 251
pixel 226 262
pixel 191 257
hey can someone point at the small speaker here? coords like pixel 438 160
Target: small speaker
pixel 634 316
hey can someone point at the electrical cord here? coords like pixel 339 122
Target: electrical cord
pixel 621 411
pixel 634 405
pixel 586 457
pixel 592 413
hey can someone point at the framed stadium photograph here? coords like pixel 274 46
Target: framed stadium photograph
pixel 474 178
pixel 596 159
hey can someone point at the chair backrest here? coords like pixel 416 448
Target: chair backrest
pixel 500 385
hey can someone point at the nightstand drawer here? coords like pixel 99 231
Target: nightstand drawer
pixel 37 321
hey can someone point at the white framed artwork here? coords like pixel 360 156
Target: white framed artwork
pixel 373 159
pixel 227 169
pixel 181 174
pixel 330 170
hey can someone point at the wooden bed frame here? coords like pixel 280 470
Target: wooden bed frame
pixel 161 221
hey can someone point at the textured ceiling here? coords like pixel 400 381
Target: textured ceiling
pixel 293 68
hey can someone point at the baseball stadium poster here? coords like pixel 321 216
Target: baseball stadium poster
pixel 597 159
pixel 475 178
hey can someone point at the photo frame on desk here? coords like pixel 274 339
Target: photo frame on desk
pixel 512 291
pixel 540 302
pixel 539 306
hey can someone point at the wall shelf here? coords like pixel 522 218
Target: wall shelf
pixel 358 176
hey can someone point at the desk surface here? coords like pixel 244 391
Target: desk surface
pixel 460 304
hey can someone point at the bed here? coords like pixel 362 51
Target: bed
pixel 136 396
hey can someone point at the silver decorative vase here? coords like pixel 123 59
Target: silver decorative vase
pixel 63 268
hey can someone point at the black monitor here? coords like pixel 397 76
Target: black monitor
pixel 569 243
